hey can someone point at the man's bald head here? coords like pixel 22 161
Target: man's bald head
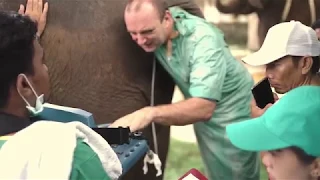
pixel 159 5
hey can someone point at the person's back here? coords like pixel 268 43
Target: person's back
pixel 232 91
pixel 84 159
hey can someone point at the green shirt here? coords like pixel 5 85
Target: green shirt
pixel 86 163
pixel 202 66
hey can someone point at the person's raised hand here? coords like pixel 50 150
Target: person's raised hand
pixel 275 96
pixel 256 111
pixel 37 13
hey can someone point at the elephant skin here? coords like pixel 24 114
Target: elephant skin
pixel 94 65
pixel 188 5
pixel 234 6
pixel 269 12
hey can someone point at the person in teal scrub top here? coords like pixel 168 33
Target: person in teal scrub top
pixel 216 86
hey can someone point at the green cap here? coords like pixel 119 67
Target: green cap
pixel 294 120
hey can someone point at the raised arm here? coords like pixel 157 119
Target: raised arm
pixel 37 12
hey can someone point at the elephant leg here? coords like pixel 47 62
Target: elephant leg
pixel 188 5
pixel 266 19
pixel 234 6
pixel 253 41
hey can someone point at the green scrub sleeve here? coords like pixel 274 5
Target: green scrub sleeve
pixel 208 69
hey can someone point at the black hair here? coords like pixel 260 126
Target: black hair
pixel 315 64
pixel 316 24
pixel 303 157
pixel 17 34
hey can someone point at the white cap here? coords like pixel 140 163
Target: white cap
pixel 287 38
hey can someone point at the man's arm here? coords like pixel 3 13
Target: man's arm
pixel 184 112
pixel 207 74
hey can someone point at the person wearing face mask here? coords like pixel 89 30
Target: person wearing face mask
pixel 24 77
pixel 24 86
pixel 288 135
pixel 290 53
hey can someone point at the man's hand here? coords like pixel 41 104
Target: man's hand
pixel 37 13
pixel 136 120
pixel 256 111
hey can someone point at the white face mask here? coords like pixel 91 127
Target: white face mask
pixel 39 100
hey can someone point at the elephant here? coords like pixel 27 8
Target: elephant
pixel 94 65
pixel 271 12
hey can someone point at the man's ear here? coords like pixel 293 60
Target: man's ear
pixel 167 18
pixel 23 87
pixel 315 168
pixel 306 64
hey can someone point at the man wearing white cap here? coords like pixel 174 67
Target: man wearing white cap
pixel 290 53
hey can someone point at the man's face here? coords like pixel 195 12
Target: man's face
pixel 40 79
pixel 284 75
pixel 284 164
pixel 146 28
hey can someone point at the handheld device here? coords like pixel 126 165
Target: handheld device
pixel 193 174
pixel 262 93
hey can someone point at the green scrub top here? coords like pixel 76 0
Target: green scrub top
pixel 86 163
pixel 202 66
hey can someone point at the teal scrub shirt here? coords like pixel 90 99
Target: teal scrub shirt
pixel 202 66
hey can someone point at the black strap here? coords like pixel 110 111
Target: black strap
pixel 118 135
pixel 114 135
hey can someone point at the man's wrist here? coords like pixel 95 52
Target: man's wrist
pixel 152 113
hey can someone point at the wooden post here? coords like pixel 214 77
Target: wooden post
pixel 253 39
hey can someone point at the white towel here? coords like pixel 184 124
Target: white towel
pixel 44 150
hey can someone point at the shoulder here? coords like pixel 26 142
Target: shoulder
pixel 86 163
pixel 205 33
pixel 195 29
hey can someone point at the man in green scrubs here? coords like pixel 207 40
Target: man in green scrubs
pixel 217 87
pixel 24 76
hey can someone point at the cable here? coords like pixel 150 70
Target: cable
pixel 154 133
